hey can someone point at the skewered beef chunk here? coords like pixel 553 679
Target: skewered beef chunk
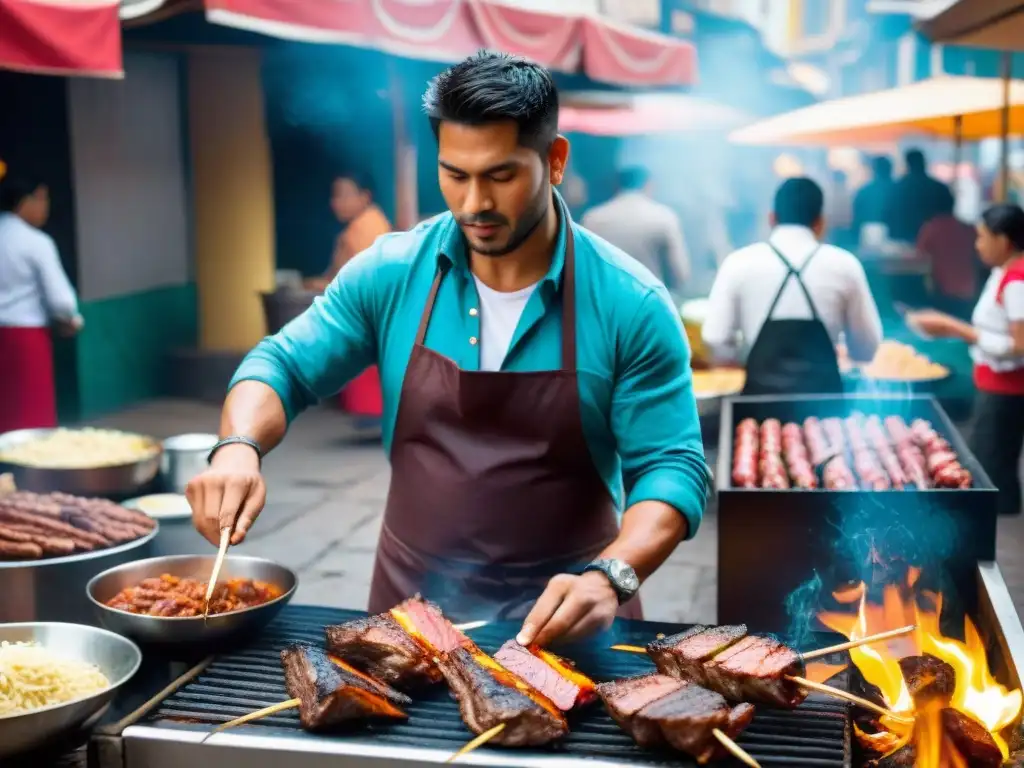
pixel 684 655
pixel 426 624
pixel 552 675
pixel 331 692
pixel 489 694
pixel 755 669
pixel 974 743
pixel 685 719
pixel 928 677
pixel 380 647
pixel 624 698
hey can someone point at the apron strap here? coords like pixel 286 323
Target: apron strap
pixel 568 296
pixel 428 310
pixel 791 272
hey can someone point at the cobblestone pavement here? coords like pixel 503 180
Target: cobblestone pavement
pixel 326 490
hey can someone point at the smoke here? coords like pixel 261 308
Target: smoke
pixel 875 542
pixel 802 606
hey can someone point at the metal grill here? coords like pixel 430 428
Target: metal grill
pixel 815 734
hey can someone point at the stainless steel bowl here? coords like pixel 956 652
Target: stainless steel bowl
pixel 174 631
pixel 184 457
pixel 117 481
pixel 41 590
pixel 116 657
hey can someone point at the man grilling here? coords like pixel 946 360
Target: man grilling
pixel 534 378
pixel 789 299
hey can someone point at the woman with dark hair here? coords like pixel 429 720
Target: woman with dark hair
pixel 996 336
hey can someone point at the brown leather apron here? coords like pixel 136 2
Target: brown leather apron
pixel 493 489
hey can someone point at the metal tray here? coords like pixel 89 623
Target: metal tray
pixel 116 481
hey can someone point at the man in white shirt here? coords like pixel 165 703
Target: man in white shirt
pixel 34 293
pixel 785 302
pixel 645 229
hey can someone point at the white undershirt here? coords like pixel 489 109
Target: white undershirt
pixel 499 318
pixel 748 280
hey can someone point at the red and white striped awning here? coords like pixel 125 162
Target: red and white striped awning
pixel 61 37
pixel 448 30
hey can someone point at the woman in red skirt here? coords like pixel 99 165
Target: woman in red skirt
pixel 996 336
pixel 35 293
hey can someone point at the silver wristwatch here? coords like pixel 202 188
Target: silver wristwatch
pixel 620 575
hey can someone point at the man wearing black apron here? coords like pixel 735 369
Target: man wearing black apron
pixel 792 331
pixel 534 378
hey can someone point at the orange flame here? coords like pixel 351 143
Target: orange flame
pixel 977 693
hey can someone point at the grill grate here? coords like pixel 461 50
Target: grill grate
pixel 815 734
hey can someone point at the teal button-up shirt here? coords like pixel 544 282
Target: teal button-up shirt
pixel 638 410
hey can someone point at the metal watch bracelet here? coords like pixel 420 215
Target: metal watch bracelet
pixel 236 439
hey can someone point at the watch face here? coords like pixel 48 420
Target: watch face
pixel 623 575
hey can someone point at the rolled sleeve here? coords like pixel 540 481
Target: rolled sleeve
pixel 654 414
pixel 325 347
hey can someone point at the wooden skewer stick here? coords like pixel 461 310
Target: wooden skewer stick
pixel 839 693
pixel 479 741
pixel 259 714
pixel 735 749
pixel 629 648
pixel 820 651
pixel 225 540
pixel 856 643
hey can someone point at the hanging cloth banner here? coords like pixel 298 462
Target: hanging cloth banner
pixel 61 37
pixel 448 30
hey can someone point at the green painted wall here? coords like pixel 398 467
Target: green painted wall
pixel 122 351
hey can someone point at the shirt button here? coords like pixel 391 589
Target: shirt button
pixel 472 339
pixel 473 312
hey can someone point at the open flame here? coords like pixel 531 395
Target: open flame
pixel 976 693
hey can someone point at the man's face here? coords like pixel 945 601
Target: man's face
pixel 347 199
pixel 35 209
pixel 497 190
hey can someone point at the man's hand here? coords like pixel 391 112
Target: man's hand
pixel 571 607
pixel 230 494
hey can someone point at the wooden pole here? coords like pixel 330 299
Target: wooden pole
pixel 1004 154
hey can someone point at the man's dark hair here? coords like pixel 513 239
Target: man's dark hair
pixel 915 161
pixel 632 178
pixel 798 201
pixel 881 167
pixel 362 180
pixel 14 190
pixel 491 87
pixel 1006 219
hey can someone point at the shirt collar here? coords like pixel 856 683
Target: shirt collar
pixel 453 253
pixel 792 233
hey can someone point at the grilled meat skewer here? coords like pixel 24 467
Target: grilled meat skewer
pixel 552 675
pixel 657 710
pixel 380 647
pixel 331 692
pixel 727 660
pixel 398 646
pixel 489 695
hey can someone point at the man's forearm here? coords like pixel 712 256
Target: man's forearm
pixel 651 530
pixel 254 410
